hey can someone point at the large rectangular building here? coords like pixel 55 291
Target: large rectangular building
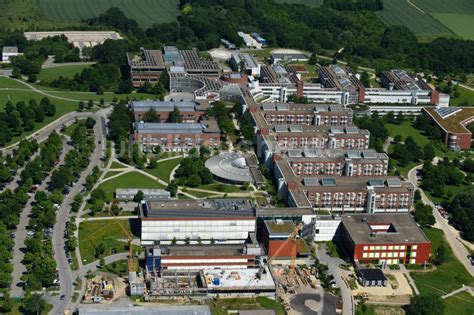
pixel 177 136
pixel 9 52
pixel 384 239
pixel 250 65
pixel 219 221
pixel 453 122
pixel 146 66
pixel 190 112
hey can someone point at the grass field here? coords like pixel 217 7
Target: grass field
pixel 447 277
pixel 120 268
pixel 221 306
pixel 92 233
pixel 129 180
pixel 117 165
pixel 18 310
pixel 400 12
pixel 163 171
pixel 51 74
pixel 145 12
pixel 465 99
pixel 366 309
pixel 459 304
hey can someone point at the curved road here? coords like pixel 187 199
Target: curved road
pixel 65 273
pixel 451 235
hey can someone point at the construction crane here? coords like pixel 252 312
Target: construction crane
pixel 131 260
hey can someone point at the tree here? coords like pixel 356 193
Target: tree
pixel 153 163
pixel 99 250
pixel 102 262
pixel 440 255
pixel 81 106
pixel 424 215
pixel 125 87
pixel 151 116
pixel 34 303
pixel 425 305
pixel 429 152
pixel 172 188
pixel 175 116
pixel 174 241
pixel 194 180
pixel 90 104
pixel 187 240
pixel 365 79
pixel 139 196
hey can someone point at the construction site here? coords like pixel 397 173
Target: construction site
pixel 104 289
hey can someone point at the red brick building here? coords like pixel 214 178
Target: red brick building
pixel 453 122
pixel 275 234
pixel 190 112
pixel 383 239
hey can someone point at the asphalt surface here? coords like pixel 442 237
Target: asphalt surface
pixel 20 234
pixel 65 273
pixel 450 233
pixel 348 307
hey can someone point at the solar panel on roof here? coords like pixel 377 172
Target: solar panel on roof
pixel 310 153
pixel 447 111
pixel 283 106
pixel 369 154
pixel 376 183
pixel 296 128
pixel 268 106
pixel 336 130
pixel 310 181
pixel 394 182
pixel 328 182
pixel 281 128
pixel 352 130
pixel 353 154
pixel 335 108
pixel 294 153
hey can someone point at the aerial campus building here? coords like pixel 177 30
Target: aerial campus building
pixel 9 52
pixel 146 66
pixel 177 136
pixel 235 168
pixel 79 39
pixel 190 111
pixel 341 85
pixel 453 122
pixel 383 239
pixel 250 65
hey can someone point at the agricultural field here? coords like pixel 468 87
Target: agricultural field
pixel 310 3
pixel 401 12
pixel 145 12
pixel 431 18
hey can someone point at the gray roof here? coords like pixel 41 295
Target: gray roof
pixel 288 56
pixel 173 128
pixel 405 228
pixel 10 49
pixel 163 106
pixel 145 310
pixel 230 166
pixel 208 208
pixel 248 59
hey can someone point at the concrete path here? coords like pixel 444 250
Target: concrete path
pixel 466 288
pixel 410 279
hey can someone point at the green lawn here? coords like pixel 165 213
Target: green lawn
pixel 129 180
pixel 221 306
pixel 447 277
pixel 119 268
pixel 70 128
pixel 92 233
pixel 459 304
pixel 54 73
pixel 199 194
pixel 450 191
pixel 163 171
pixel 220 187
pixel 406 129
pixel 465 99
pixel 366 309
pixel 111 173
pixel 117 165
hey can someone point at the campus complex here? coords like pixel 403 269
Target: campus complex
pixel 334 186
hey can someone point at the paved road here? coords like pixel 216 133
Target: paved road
pixel 65 274
pixel 20 233
pixel 451 235
pixel 49 63
pixel 348 307
pixel 43 133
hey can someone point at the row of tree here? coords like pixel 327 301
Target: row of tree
pixel 436 177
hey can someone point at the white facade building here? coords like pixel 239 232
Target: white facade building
pixel 252 67
pixel 8 52
pixel 226 221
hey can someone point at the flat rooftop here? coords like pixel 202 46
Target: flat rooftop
pixel 455 122
pixel 248 60
pixel 244 279
pixel 206 208
pixel 174 128
pixel 204 250
pixel 163 106
pixel 146 59
pixel 383 228
pixel 10 49
pixel 279 227
pixel 145 310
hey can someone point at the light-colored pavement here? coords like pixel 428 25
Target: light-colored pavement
pixel 16 288
pixel 49 63
pixel 451 235
pixel 348 306
pixel 409 278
